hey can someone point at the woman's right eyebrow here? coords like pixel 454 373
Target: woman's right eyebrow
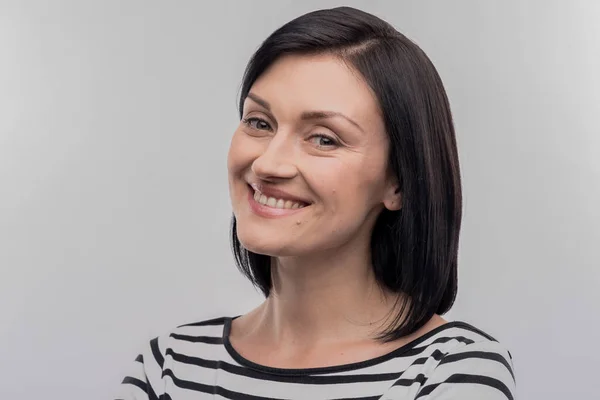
pixel 259 101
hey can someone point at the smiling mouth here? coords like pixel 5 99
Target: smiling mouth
pixel 274 202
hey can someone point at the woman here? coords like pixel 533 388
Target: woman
pixel 345 188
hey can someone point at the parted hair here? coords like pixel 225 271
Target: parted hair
pixel 414 250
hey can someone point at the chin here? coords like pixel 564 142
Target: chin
pixel 276 246
pixel 278 249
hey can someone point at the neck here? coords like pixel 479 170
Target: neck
pixel 324 298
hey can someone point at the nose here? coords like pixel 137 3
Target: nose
pixel 277 160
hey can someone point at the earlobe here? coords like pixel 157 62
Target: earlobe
pixel 393 205
pixel 394 201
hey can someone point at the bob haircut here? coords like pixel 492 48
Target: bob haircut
pixel 414 250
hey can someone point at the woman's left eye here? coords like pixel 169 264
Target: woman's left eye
pixel 323 141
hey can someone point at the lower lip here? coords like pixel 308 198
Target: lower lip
pixel 269 212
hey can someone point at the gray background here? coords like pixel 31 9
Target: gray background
pixel 115 118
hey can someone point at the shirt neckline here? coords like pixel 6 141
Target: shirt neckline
pixel 334 368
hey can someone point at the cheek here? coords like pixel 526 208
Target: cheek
pixel 336 185
pixel 343 180
pixel 242 151
pixel 237 162
pixel 349 190
pixel 234 153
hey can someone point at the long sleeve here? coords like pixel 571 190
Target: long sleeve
pixel 480 370
pixel 144 377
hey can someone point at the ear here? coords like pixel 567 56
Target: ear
pixel 393 198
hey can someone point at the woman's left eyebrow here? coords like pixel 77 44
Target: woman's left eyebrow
pixel 310 115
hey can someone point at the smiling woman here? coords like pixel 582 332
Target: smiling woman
pixel 313 136
pixel 345 187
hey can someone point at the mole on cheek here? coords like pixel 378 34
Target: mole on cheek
pixel 298 222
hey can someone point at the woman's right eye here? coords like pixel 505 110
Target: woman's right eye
pixel 257 123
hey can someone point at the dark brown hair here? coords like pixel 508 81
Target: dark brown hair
pixel 414 250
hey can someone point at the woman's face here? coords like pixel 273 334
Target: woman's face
pixel 308 162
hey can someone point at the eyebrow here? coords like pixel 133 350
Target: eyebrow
pixel 306 115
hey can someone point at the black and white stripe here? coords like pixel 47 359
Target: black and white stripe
pixel 196 361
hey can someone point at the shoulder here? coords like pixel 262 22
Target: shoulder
pixel 208 331
pixel 176 340
pixel 468 362
pixel 143 378
pixel 204 325
pixel 456 334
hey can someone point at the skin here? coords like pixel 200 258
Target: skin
pixel 325 306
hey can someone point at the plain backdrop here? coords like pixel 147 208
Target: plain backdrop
pixel 115 119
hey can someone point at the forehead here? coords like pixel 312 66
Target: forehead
pixel 296 83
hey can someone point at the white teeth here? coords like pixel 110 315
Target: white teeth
pixel 275 203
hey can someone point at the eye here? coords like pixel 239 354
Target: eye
pixel 257 123
pixel 323 141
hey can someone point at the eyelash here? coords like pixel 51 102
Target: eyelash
pixel 249 122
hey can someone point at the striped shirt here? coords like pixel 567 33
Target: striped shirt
pixel 455 361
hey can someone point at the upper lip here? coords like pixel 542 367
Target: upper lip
pixel 270 191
